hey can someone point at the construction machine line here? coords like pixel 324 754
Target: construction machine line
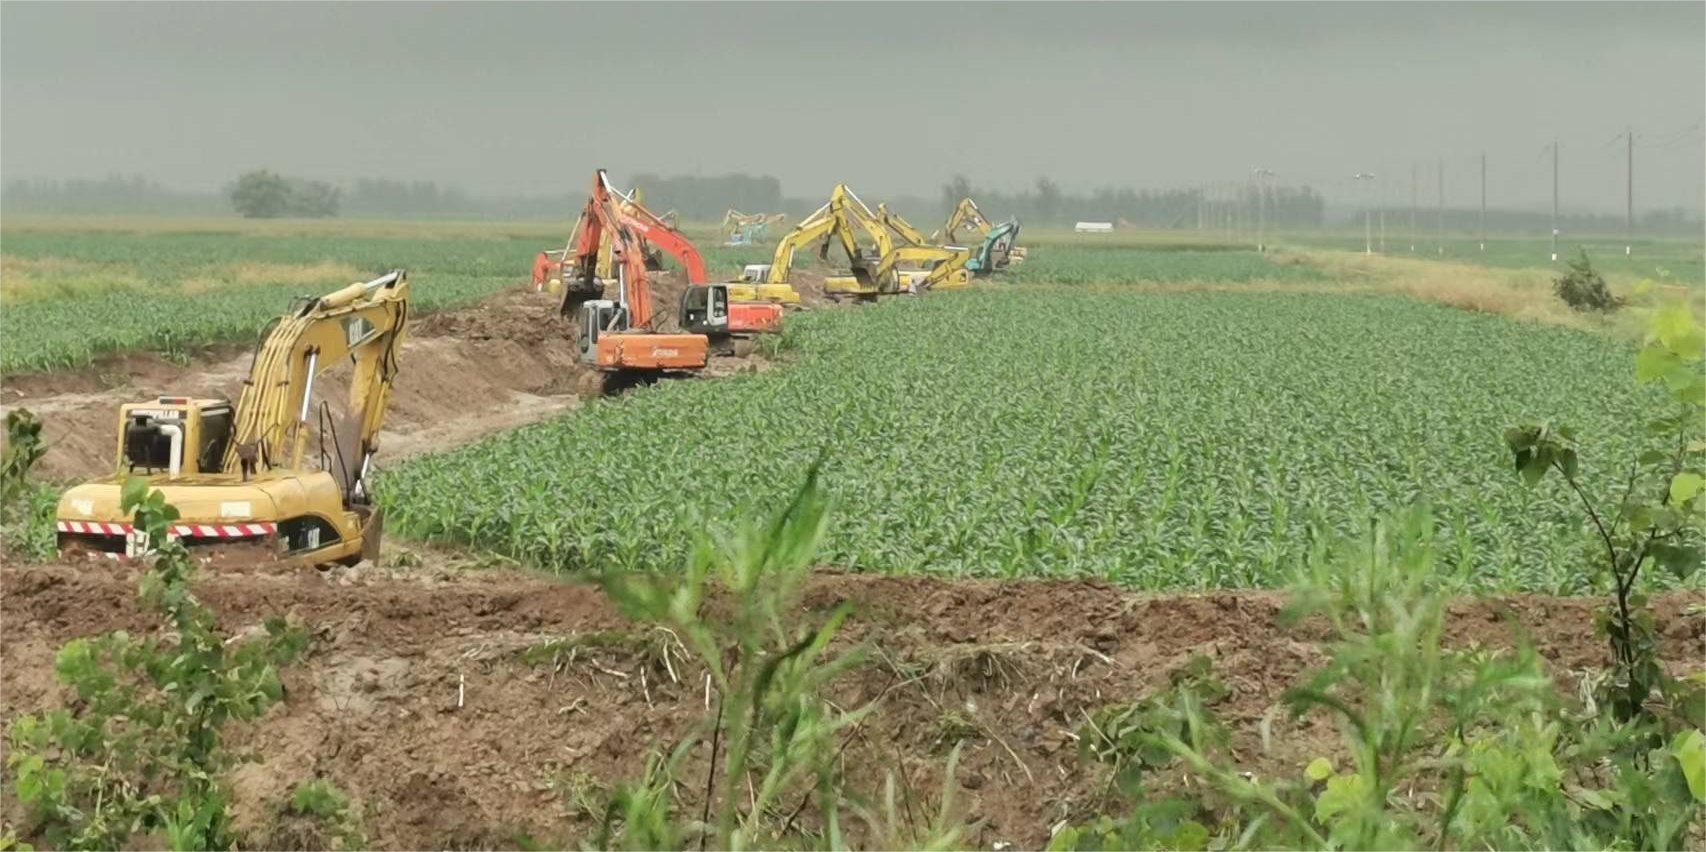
pixel 240 474
pixel 832 221
pixel 884 269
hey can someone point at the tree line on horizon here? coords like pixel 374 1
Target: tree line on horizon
pixel 265 194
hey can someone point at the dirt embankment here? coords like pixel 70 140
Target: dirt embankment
pixel 504 362
pixel 418 696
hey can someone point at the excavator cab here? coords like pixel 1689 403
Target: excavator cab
pixel 174 435
pixel 998 250
pixel 597 316
pixel 705 310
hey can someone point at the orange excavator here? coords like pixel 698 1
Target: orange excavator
pixel 705 306
pixel 617 337
pixel 554 267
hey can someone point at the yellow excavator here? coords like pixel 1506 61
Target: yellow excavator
pixel 831 221
pixel 240 475
pixel 930 266
pixel 912 267
pixel 875 272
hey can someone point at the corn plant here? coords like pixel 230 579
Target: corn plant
pixel 1163 441
pixel 176 293
pixel 769 667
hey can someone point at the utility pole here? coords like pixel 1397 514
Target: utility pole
pixel 1380 193
pixel 1225 212
pixel 1439 212
pixel 1412 207
pixel 1629 222
pixel 1483 200
pixel 1554 199
pixel 1367 216
pixel 1200 191
pixel 1261 207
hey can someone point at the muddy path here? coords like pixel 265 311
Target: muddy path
pixel 506 361
pixel 436 698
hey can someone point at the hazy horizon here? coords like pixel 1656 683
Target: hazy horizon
pixel 527 98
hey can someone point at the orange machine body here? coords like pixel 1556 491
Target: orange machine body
pixel 755 317
pixel 645 351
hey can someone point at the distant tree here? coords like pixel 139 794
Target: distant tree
pixel 953 191
pixel 263 195
pixel 260 195
pixel 313 199
pixel 1048 200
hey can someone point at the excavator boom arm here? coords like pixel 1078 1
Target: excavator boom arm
pixel 362 323
pixel 816 226
pixel 658 232
pixel 902 228
pixel 965 214
pixel 603 214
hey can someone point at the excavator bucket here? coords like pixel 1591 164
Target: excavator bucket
pixel 545 275
pixel 371 533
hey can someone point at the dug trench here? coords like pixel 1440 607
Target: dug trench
pixel 504 362
pixel 482 709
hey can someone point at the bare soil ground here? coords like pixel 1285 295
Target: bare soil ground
pixel 418 696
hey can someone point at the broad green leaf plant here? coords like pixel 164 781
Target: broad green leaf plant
pixel 137 752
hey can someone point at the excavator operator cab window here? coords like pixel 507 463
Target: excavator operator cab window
pixel 597 316
pixel 705 308
pixel 215 435
pixel 149 444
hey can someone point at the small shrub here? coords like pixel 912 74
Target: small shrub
pixel 137 753
pixel 1583 289
pixel 26 507
pixel 322 802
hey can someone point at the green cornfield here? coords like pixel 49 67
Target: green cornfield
pixel 1178 440
pixel 128 290
pixel 1086 264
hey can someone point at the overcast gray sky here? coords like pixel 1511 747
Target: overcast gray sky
pixel 517 97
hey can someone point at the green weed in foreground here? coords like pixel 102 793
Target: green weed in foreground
pixel 1440 748
pixel 139 751
pixel 1163 441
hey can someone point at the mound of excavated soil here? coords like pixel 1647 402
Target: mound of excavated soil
pixel 506 361
pixel 416 698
